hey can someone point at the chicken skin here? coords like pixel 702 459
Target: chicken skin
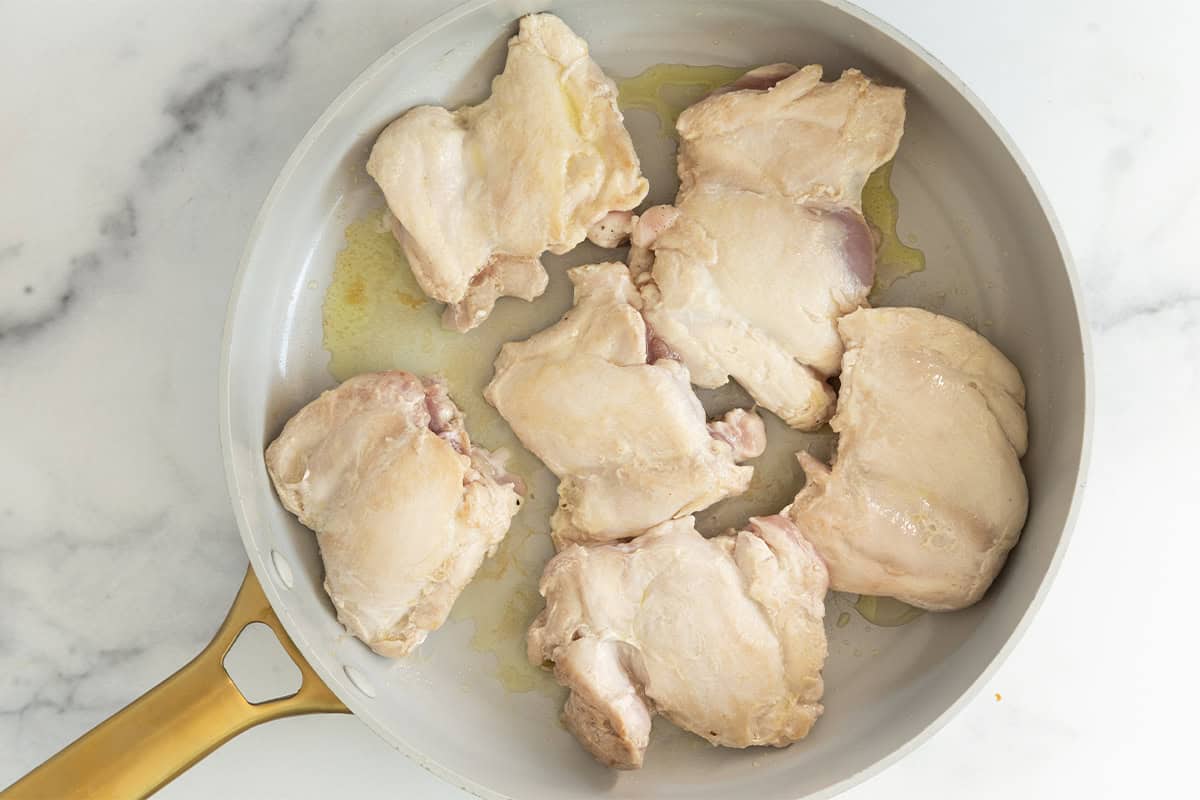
pixel 766 245
pixel 598 399
pixel 404 508
pixel 926 496
pixel 723 636
pixel 479 193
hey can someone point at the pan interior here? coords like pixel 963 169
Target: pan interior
pixel 465 705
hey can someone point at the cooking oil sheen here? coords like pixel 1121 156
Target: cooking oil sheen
pixel 667 89
pixel 376 318
pixel 886 612
pixel 893 258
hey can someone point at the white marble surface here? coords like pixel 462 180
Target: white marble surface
pixel 139 138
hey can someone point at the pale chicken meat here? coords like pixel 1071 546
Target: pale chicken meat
pixel 479 193
pixel 601 402
pixel 722 636
pixel 404 507
pixel 766 245
pixel 926 496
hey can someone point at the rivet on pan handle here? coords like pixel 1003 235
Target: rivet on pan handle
pixel 171 727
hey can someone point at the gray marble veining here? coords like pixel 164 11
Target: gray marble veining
pixel 139 140
pixel 190 108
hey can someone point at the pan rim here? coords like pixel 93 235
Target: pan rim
pixel 258 558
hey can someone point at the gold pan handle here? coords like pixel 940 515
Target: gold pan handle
pixel 156 737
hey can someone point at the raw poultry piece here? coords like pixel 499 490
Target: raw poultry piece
pixel 479 193
pixel 404 508
pixel 766 245
pixel 723 636
pixel 926 496
pixel 596 398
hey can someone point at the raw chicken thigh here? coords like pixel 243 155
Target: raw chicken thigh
pixel 619 424
pixel 481 192
pixel 722 636
pixel 766 245
pixel 926 496
pixel 405 509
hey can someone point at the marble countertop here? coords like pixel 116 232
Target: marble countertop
pixel 138 141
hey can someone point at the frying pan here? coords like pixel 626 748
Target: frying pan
pixel 996 259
